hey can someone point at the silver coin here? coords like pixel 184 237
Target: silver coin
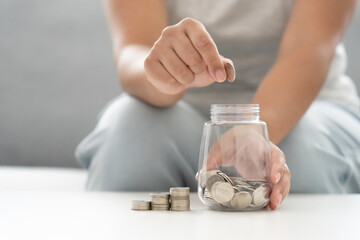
pixel 204 176
pixel 213 179
pixel 182 208
pixel 240 181
pixel 180 203
pixel 226 177
pixel 241 188
pixel 260 196
pixel 160 207
pixel 140 205
pixel 160 195
pixel 207 194
pixel 159 201
pixel 208 199
pixel 237 179
pixel 256 180
pixel 174 198
pixel 241 200
pixel 222 192
pixel 179 191
pixel 226 204
pixel 230 72
pixel 167 204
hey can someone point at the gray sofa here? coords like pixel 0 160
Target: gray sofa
pixel 56 74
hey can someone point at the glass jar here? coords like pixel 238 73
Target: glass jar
pixel 233 172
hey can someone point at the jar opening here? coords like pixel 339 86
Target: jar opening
pixel 234 112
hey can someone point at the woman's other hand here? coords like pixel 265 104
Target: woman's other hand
pixel 247 151
pixel 279 176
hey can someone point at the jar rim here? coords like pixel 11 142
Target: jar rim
pixel 235 104
pixel 235 108
pixel 235 112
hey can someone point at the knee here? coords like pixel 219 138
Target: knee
pixel 143 147
pixel 108 121
pixel 314 166
pixel 127 110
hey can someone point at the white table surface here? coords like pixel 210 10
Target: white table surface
pixel 81 215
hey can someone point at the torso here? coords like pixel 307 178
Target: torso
pixel 248 32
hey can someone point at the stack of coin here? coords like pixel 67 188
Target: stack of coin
pixel 160 201
pixel 140 205
pixel 180 198
pixel 220 190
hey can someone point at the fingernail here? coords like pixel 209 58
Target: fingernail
pixel 277 177
pixel 280 198
pixel 220 75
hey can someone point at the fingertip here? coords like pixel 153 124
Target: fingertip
pixel 272 206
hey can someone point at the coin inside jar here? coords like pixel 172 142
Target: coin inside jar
pixel 241 200
pixel 213 179
pixel 261 196
pixel 222 192
pixel 204 176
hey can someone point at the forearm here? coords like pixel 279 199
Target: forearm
pixel 291 85
pixel 130 66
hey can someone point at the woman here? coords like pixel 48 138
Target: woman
pixel 170 58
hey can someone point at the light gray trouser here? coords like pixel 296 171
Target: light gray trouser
pixel 136 147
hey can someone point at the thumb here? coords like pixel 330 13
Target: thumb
pixel 229 69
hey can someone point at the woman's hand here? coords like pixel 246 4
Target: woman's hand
pixel 279 176
pixel 184 56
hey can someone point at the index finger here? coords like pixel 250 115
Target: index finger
pixel 205 45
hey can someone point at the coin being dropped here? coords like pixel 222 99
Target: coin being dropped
pixel 230 72
pixel 222 192
pixel 241 200
pixel 261 196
